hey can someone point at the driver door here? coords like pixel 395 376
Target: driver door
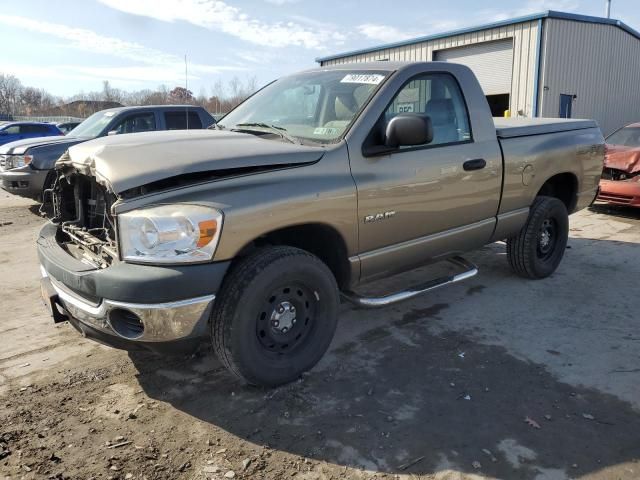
pixel 421 203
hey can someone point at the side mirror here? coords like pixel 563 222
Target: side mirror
pixel 408 129
pixel 112 132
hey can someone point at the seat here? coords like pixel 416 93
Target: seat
pixel 143 124
pixel 344 109
pixel 443 120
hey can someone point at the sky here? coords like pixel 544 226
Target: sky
pixel 71 46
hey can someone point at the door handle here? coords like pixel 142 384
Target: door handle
pixel 477 164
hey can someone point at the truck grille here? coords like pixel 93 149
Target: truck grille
pixel 82 208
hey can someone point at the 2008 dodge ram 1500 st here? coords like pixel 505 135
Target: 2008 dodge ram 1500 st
pixel 247 234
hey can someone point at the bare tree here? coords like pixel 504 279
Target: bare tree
pixel 30 101
pixel 10 88
pixel 16 99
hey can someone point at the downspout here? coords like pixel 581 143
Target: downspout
pixel 536 74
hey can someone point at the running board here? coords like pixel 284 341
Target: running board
pixel 377 302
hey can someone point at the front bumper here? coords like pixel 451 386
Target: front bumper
pixel 620 192
pixel 132 307
pixel 24 181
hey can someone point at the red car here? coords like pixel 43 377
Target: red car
pixel 620 182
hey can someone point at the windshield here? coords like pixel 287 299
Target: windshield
pixel 92 126
pixel 315 106
pixel 627 136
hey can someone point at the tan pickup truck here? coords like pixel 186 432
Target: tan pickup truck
pixel 248 234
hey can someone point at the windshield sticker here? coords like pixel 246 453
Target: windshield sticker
pixel 109 114
pixel 325 131
pixel 368 78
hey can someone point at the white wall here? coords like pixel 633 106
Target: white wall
pixel 525 39
pixel 598 63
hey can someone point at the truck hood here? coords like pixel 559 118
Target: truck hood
pixel 128 161
pixel 623 158
pixel 19 147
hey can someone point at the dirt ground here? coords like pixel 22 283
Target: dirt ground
pixel 498 377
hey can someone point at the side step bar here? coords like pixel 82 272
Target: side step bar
pixel 377 302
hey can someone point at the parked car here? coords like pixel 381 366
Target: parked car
pixel 66 127
pixel 26 167
pixel 248 233
pixel 13 131
pixel 620 183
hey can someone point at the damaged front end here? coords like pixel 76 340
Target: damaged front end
pixel 82 208
pixel 620 182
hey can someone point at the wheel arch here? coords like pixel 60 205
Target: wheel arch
pixel 564 187
pixel 322 240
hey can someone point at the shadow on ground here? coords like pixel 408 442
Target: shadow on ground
pixel 629 213
pixel 398 394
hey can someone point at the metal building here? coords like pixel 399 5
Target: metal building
pixel 551 64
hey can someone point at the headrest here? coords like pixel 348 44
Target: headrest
pixel 345 107
pixel 440 111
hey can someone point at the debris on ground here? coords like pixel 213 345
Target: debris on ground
pixel 489 454
pixel 121 444
pixel 531 422
pixel 411 463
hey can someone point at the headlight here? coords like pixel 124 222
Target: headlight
pixel 170 234
pixel 17 161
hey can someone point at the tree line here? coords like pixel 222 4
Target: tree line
pixel 17 99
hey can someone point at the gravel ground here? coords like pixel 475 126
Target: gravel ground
pixel 498 377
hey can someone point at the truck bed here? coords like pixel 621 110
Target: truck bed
pixel 522 127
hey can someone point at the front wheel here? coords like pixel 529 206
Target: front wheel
pixel 537 250
pixel 275 315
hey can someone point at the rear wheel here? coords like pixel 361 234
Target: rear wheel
pixel 275 315
pixel 538 249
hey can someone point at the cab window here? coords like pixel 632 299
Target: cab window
pixel 140 122
pixel 34 129
pixel 438 96
pixel 182 120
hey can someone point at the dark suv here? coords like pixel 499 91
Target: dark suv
pixel 26 166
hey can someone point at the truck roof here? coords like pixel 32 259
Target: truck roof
pixel 379 65
pixel 150 107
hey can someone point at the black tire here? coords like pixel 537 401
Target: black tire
pixel 275 315
pixel 537 250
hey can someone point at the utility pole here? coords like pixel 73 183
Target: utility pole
pixel 186 87
pixel 608 9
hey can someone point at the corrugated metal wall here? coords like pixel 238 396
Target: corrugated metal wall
pixel 525 37
pixel 598 63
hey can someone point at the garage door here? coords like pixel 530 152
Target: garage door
pixel 490 61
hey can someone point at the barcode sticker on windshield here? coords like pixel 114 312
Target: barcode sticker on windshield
pixel 369 78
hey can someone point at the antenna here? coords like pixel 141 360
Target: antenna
pixel 186 87
pixel 608 9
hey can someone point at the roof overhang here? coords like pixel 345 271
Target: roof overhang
pixel 527 18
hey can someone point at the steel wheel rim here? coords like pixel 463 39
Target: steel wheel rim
pixel 285 319
pixel 547 238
